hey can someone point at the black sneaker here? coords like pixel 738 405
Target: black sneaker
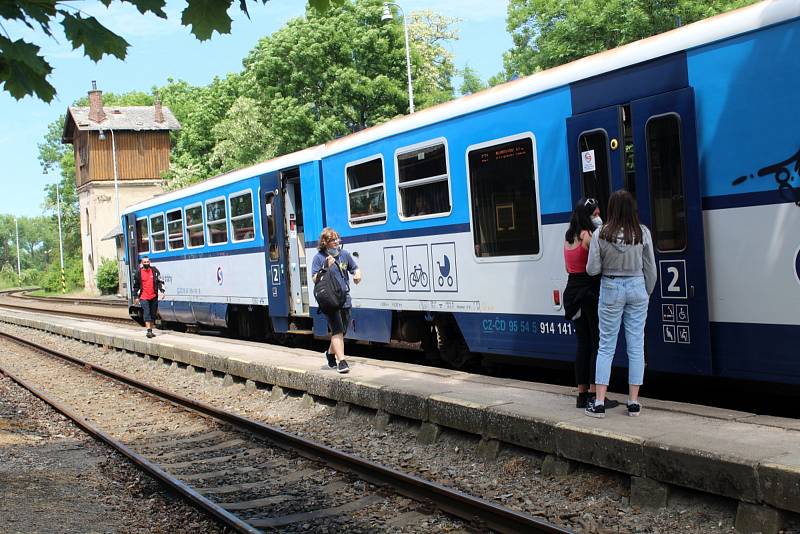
pixel 595 410
pixel 331 359
pixel 634 409
pixel 582 400
pixel 343 367
pixel 150 333
pixel 609 403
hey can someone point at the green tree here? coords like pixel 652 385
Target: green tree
pixel 23 71
pixel 108 276
pixel 471 83
pixel 547 33
pixel 242 137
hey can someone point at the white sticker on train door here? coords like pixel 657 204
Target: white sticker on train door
pixel 587 158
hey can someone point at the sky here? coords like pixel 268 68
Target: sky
pixel 162 49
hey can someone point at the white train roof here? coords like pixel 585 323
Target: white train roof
pixel 706 31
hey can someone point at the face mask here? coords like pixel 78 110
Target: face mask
pixel 597 221
pixel 333 251
pixel 146 265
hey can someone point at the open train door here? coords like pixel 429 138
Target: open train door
pixel 668 197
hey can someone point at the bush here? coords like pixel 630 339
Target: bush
pixel 108 276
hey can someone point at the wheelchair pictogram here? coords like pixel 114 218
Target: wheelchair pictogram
pixel 394 275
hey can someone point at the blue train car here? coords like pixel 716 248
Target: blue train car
pixel 456 214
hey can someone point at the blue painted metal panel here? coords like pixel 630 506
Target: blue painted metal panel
pixel 210 313
pixel 631 83
pixel 543 114
pixel 747 109
pixel 370 325
pixel 182 311
pixel 737 344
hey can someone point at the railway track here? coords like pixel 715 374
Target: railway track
pixel 17 299
pixel 246 474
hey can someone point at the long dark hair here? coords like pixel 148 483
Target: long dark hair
pixel 581 219
pixel 623 219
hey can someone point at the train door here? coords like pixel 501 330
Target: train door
pixel 131 251
pixel 668 197
pixel 648 146
pixel 295 243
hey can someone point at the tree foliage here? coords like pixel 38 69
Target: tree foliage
pixel 108 276
pixel 471 82
pixel 547 33
pixel 24 71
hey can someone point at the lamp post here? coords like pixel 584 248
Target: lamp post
pixel 387 15
pixel 19 271
pixel 102 137
pixel 60 240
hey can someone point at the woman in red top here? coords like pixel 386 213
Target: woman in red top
pixel 581 294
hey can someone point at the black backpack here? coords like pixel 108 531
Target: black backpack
pixel 328 291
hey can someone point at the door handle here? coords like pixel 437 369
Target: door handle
pixel 691 291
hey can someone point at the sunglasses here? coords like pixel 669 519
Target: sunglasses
pixel 590 202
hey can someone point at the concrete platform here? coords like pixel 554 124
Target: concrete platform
pixel 754 459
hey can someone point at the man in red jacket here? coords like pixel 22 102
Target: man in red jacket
pixel 147 283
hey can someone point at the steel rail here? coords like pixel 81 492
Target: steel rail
pixel 459 504
pixel 66 313
pixel 219 513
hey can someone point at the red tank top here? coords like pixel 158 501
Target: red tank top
pixel 575 259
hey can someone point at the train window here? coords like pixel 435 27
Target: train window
pixel 157 237
pixel 216 222
pixel 596 183
pixel 242 220
pixel 194 226
pixel 666 182
pixel 142 236
pixel 423 181
pixel 271 209
pixel 175 229
pixel 365 191
pixel 504 202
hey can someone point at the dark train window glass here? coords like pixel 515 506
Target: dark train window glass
pixel 627 143
pixel 596 183
pixel 142 236
pixel 216 222
pixel 274 252
pixel 242 221
pixel 175 229
pixel 665 166
pixel 194 226
pixel 423 181
pixel 504 204
pixel 365 192
pixel 157 233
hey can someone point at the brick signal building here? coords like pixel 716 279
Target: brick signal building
pixel 127 147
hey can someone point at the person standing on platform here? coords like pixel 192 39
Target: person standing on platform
pixel 622 250
pixel 147 283
pixel 339 263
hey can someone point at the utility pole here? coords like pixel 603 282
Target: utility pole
pixel 60 241
pixel 19 270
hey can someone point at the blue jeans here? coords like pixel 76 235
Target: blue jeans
pixel 622 298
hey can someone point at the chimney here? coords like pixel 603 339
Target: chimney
pixel 159 113
pixel 96 112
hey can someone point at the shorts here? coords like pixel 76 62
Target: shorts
pixel 149 309
pixel 338 320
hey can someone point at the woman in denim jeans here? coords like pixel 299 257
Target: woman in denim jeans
pixel 622 250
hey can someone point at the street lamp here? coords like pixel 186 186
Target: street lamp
pixel 387 15
pixel 102 137
pixel 60 241
pixel 19 270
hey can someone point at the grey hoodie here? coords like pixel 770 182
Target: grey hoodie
pixel 621 259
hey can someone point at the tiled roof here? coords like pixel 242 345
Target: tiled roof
pixel 125 118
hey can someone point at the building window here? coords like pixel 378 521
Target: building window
pixel 242 220
pixel 157 233
pixel 665 165
pixel 423 181
pixel 216 222
pixel 504 200
pixel 142 236
pixel 194 226
pixel 175 229
pixel 365 191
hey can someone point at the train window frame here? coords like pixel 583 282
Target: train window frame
pixel 366 220
pixel 231 218
pixel 603 203
pixel 651 199
pixel 139 238
pixel 423 181
pixel 202 225
pixel 152 233
pixel 169 236
pixel 215 221
pixel 534 155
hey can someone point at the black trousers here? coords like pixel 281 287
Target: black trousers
pixel 587 330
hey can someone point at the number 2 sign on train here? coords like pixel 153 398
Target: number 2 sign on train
pixel 456 214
